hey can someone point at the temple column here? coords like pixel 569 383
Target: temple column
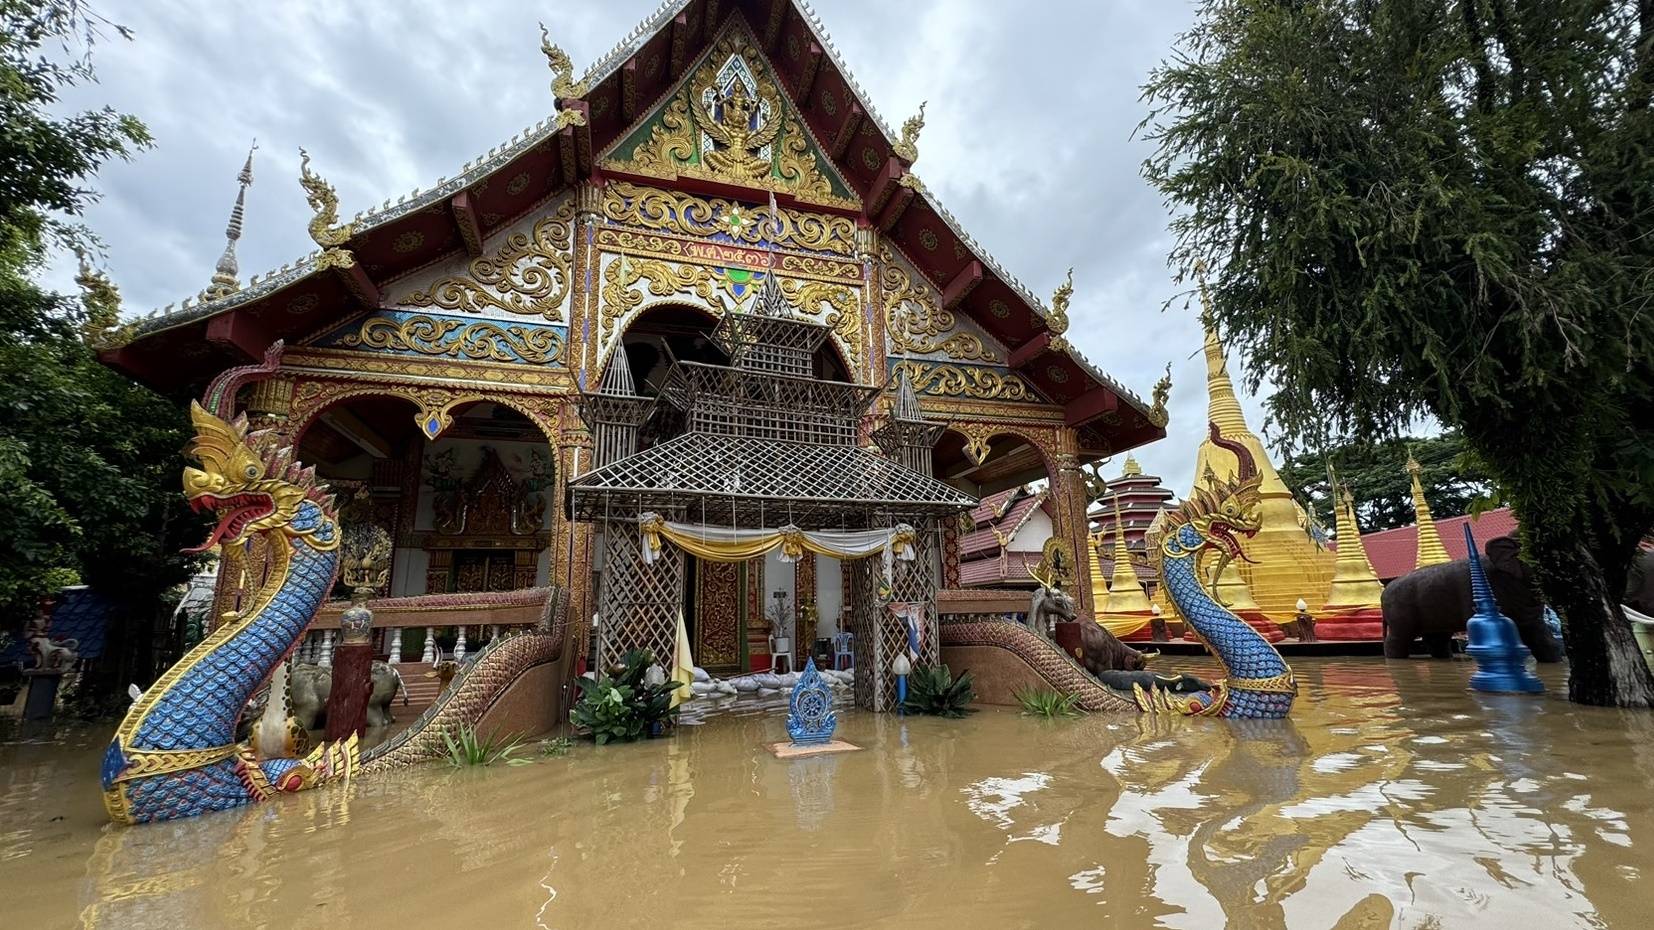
pixel 571 541
pixel 1070 500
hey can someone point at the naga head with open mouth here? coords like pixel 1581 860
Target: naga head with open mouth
pixel 1224 512
pixel 250 483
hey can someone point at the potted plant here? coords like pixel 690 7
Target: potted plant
pixel 627 704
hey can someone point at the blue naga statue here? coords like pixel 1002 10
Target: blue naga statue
pixel 176 754
pixel 1257 683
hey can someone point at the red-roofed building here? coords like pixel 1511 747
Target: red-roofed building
pixel 1011 528
pixel 1394 552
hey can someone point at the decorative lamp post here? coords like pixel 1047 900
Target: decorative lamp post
pixel 1501 658
pixel 365 565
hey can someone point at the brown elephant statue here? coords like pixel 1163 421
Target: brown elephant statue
pixel 1433 603
pixel 1639 584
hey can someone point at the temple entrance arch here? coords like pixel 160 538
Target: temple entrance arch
pixel 468 510
pixel 1031 492
pixel 763 456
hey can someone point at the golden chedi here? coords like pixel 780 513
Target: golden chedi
pixel 1430 548
pixel 1352 610
pixel 1286 563
pixel 1124 610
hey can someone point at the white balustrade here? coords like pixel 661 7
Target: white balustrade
pixel 396 646
pixel 459 646
pixel 429 654
pixel 326 659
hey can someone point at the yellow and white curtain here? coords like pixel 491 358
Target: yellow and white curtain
pixel 727 544
pixel 1123 624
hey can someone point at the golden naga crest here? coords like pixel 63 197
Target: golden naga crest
pixel 248 479
pixel 1158 414
pixel 325 227
pixel 563 84
pixel 907 147
pixel 1056 319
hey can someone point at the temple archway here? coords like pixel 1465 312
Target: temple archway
pixel 467 511
pixel 1014 473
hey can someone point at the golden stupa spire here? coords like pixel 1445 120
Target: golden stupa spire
pixel 1430 549
pixel 1131 469
pixel 1287 563
pixel 1354 583
pixel 1125 589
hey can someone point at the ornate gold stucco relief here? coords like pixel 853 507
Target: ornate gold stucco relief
pixel 974 381
pixel 456 337
pixel 628 283
pixel 916 324
pixel 729 121
pixel 683 214
pixel 528 272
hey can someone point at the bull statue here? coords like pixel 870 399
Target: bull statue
pixel 1050 605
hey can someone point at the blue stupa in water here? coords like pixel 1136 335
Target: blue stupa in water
pixel 810 717
pixel 1501 658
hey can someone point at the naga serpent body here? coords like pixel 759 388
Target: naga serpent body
pixel 1258 684
pixel 175 754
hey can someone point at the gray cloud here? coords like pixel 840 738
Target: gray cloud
pixel 1028 138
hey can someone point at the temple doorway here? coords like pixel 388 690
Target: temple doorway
pixel 469 511
pixel 717 608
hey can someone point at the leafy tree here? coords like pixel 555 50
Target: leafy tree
pixel 1453 478
pixel 1442 207
pixel 90 461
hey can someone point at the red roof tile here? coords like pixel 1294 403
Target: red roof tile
pixel 1395 552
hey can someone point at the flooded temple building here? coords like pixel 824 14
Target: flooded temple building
pixel 715 251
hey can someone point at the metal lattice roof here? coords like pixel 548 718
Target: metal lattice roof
pixel 743 481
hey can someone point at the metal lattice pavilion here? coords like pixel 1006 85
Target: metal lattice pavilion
pixel 758 443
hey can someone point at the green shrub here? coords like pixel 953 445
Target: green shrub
pixel 466 747
pixel 933 690
pixel 622 707
pixel 1043 702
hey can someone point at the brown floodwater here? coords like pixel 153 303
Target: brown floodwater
pixel 1392 798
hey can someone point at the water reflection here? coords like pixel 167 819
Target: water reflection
pixel 1393 797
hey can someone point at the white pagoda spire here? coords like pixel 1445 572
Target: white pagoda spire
pixel 224 279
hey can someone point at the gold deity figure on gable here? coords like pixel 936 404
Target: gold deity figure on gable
pixel 739 128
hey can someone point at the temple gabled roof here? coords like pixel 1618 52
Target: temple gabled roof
pixel 183 349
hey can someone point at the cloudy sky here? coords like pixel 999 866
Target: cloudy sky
pixel 1028 137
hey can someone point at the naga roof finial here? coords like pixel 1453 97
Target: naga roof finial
pixel 325 227
pixel 907 148
pixel 1057 319
pixel 563 84
pixel 1158 414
